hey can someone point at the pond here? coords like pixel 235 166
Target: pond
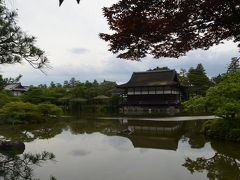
pixel 111 149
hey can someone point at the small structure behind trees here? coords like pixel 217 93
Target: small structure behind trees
pixel 16 88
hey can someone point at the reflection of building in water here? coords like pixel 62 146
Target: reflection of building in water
pixel 153 134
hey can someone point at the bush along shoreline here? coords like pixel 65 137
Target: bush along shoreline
pixel 223 100
pixel 25 112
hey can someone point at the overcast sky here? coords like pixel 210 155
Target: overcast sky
pixel 69 35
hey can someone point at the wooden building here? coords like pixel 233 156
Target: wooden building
pixel 152 92
pixel 16 88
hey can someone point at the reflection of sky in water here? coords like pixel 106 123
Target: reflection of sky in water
pixel 99 157
pixel 80 152
pixel 185 148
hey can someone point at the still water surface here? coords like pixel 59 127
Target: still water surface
pixel 127 150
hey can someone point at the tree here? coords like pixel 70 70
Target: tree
pixel 34 95
pixel 196 104
pixel 52 84
pixel 5 97
pixel 16 45
pixel 61 1
pixel 72 82
pixel 199 82
pixel 12 80
pixel 219 166
pixel 182 77
pixel 6 81
pixel 21 167
pixel 224 97
pixel 234 65
pixel 2 83
pixel 165 68
pixel 169 28
pixel 65 84
pixel 216 79
pixel 47 109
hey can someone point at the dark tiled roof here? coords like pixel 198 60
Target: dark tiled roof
pixel 152 78
pixel 16 87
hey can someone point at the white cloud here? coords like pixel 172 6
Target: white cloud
pixel 79 50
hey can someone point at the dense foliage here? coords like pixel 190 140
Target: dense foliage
pixel 61 1
pixel 198 80
pixel 73 96
pixel 24 112
pixel 169 28
pixel 234 65
pixel 16 45
pixel 222 99
pixel 6 81
pixel 219 166
pixel 196 104
pixel 227 129
pixel 195 79
pixel 5 97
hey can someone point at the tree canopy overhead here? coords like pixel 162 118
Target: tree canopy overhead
pixel 16 45
pixel 61 1
pixel 170 28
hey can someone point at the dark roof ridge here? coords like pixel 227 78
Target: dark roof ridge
pixel 13 83
pixel 154 71
pixel 152 78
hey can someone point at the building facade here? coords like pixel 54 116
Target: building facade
pixel 16 88
pixel 152 92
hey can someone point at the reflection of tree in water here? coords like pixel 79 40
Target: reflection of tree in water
pixel 28 133
pixel 224 165
pixel 220 166
pixel 91 126
pixel 14 167
pixel 192 131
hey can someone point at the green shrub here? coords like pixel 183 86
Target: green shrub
pixel 47 109
pixel 5 97
pixel 16 112
pixel 224 97
pixel 217 128
pixel 234 135
pixel 21 112
pixel 195 104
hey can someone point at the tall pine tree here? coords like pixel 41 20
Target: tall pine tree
pixel 234 65
pixel 199 82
